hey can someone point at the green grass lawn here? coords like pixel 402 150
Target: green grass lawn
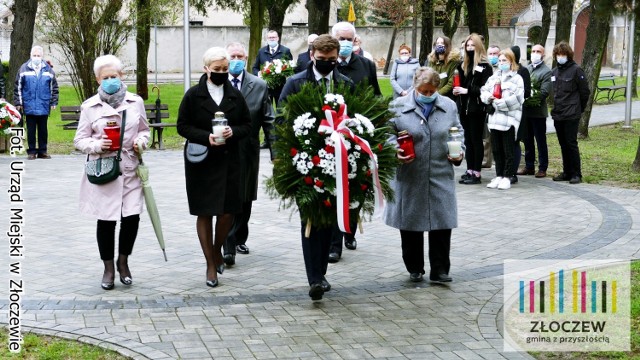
pixel 48 347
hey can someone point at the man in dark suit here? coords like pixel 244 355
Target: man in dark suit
pixel 305 57
pixel 261 112
pixel 273 50
pixel 359 70
pixel 321 71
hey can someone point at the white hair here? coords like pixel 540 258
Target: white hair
pixel 311 38
pixel 214 54
pixel 106 60
pixel 39 48
pixel 343 25
pixel 239 45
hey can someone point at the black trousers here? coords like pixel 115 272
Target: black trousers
pixel 473 125
pixel 537 131
pixel 106 236
pixel 413 250
pixel 239 230
pixel 567 132
pixel 37 123
pixel 315 250
pixel 336 238
pixel 502 145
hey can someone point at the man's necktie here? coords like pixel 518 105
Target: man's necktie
pixel 236 83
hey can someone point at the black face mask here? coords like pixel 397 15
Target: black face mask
pixel 218 78
pixel 470 54
pixel 324 67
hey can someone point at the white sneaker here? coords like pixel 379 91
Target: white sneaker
pixel 494 183
pixel 505 183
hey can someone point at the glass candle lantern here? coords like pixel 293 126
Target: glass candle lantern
pixel 218 125
pixel 405 141
pixel 112 130
pixel 454 143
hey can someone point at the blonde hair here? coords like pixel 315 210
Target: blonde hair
pixel 214 54
pixel 480 54
pixel 511 57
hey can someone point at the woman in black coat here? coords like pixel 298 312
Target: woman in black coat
pixel 214 185
pixel 474 71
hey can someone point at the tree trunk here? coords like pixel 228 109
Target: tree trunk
pixel 636 162
pixel 598 31
pixel 414 26
pixel 563 21
pixel 451 25
pixel 636 56
pixel 426 37
pixel 390 52
pixel 256 10
pixel 143 40
pixel 277 9
pixel 478 19
pixel 318 16
pixel 546 22
pixel 21 38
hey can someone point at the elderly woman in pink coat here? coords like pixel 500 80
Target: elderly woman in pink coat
pixel 120 199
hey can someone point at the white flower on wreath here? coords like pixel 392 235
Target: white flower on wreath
pixel 304 155
pixel 333 99
pixel 354 204
pixel 368 125
pixel 301 166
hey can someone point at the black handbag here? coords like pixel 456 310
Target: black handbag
pixel 104 170
pixel 196 153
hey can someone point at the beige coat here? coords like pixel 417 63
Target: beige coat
pixel 123 196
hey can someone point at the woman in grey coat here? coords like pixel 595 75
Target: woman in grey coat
pixel 425 197
pixel 402 71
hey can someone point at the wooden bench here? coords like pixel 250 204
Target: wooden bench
pixel 71 114
pixel 610 90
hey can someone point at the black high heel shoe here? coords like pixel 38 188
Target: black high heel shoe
pixel 212 283
pixel 126 280
pixel 107 285
pixel 220 268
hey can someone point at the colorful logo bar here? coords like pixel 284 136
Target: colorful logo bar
pixel 581 294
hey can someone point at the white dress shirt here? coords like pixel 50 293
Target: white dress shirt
pixel 216 92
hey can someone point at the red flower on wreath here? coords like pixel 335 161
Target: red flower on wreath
pixel 368 173
pixel 380 147
pixel 315 160
pixel 363 187
pixel 293 152
pixel 319 183
pixel 327 203
pixel 330 149
pixel 308 180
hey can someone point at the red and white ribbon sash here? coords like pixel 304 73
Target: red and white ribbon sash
pixel 335 124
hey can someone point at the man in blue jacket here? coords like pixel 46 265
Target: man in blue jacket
pixel 35 94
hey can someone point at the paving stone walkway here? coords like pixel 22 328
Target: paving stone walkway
pixel 261 310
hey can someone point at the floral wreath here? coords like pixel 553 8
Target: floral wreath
pixel 9 117
pixel 332 166
pixel 276 72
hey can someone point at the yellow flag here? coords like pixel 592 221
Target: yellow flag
pixel 352 14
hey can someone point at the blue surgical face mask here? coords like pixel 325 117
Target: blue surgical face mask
pixel 504 67
pixel 423 99
pixel 110 86
pixel 36 61
pixel 346 48
pixel 493 60
pixel 561 59
pixel 236 66
pixel 440 49
pixel 272 43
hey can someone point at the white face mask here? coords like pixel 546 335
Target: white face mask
pixel 561 60
pixel 404 58
pixel 536 58
pixel 36 61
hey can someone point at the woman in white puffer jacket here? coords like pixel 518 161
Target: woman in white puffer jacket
pixel 505 120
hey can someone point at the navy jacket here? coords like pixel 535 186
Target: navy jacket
pixel 264 55
pixel 360 69
pixel 302 62
pixel 295 82
pixel 36 93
